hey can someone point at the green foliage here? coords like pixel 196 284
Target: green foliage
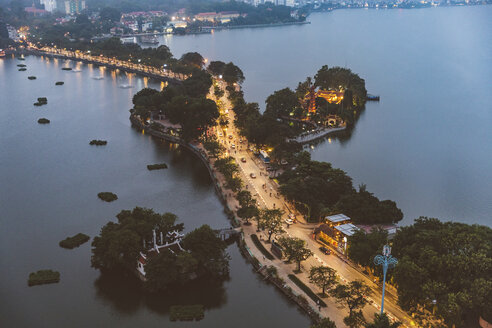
pixel 295 250
pixel 382 321
pixel 209 251
pixel 74 241
pixel 364 207
pixel 324 323
pixel 43 277
pixel 448 262
pixel 193 59
pixel 119 244
pixel 248 208
pixel 214 148
pixel 363 247
pixel 43 121
pixel 312 295
pixel 107 196
pixel 324 277
pixel 262 248
pixel 186 312
pixel 338 77
pixel 152 167
pixel 354 296
pixel 96 142
pixel 330 185
pixel 281 103
pixel 271 221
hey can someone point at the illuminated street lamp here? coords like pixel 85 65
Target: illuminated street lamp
pixel 387 261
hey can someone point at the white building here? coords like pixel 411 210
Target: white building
pixel 49 5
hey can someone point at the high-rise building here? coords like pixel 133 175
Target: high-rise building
pixel 74 6
pixel 49 5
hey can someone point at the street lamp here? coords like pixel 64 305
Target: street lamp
pixel 387 261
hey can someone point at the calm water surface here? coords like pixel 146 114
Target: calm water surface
pixel 49 180
pixel 428 143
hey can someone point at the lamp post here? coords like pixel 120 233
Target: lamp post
pixel 387 261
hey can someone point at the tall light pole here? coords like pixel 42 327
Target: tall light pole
pixel 387 261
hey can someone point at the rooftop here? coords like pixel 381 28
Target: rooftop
pixel 337 218
pixel 348 229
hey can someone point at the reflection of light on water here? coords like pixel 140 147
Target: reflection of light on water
pixel 312 146
pixel 143 131
pixel 329 140
pixel 163 85
pixel 146 82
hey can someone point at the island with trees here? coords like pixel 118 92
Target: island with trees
pixel 153 246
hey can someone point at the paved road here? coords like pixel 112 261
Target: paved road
pixel 266 192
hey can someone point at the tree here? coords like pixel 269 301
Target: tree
pixel 271 221
pixel 216 67
pixel 342 78
pixel 232 74
pixel 193 59
pixel 363 247
pixel 448 262
pixel 322 276
pixel 110 14
pixel 214 148
pixel 119 244
pixel 161 271
pixel 353 295
pixel 295 250
pixel 324 323
pixel 281 103
pixel 209 250
pixel 382 321
pixel 248 207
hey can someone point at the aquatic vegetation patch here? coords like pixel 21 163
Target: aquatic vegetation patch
pixel 31 77
pixel 66 68
pixel 59 83
pixel 186 312
pixel 43 121
pixel 74 241
pixel 96 142
pixel 43 277
pixel 161 166
pixel 107 196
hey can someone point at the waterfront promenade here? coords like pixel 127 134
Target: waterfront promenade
pixel 161 74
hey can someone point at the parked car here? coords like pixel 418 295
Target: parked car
pixel 325 250
pixel 252 175
pixel 289 221
pixel 243 159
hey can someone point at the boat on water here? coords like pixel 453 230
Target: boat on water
pixel 128 40
pixel 98 77
pixel 125 86
pixel 149 39
pixel 76 70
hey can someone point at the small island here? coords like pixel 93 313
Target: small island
pixel 31 77
pixel 74 241
pixel 96 142
pixel 43 121
pixel 59 83
pixel 42 277
pixel 158 252
pixel 107 196
pixel 161 166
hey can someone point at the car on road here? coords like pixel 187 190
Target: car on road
pixel 220 134
pixel 289 221
pixel 243 159
pixel 233 146
pixel 325 250
pixel 230 136
pixel 252 175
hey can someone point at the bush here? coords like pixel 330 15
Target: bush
pixel 31 77
pixel 98 142
pixel 75 241
pixel 43 277
pixel 66 68
pixel 107 196
pixel 157 166
pixel 43 121
pixel 59 83
pixel 186 312
pixel 262 248
pixel 307 290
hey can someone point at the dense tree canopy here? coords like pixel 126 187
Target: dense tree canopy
pixel 362 247
pixel 337 78
pixel 448 262
pixel 295 250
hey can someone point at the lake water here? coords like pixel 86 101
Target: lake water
pixel 49 180
pixel 428 143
